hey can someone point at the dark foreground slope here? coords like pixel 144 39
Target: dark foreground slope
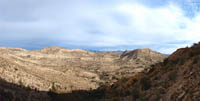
pixel 13 92
pixel 176 79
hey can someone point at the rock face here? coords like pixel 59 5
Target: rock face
pixel 175 79
pixel 62 70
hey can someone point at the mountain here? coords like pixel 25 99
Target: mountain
pixel 60 70
pixel 175 79
pixel 134 61
pixel 145 55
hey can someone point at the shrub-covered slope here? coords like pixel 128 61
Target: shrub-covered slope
pixel 175 79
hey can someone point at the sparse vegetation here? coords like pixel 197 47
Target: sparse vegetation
pixel 172 75
pixel 145 83
pixel 76 70
pixel 177 76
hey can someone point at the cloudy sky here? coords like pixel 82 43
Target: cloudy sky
pixel 162 25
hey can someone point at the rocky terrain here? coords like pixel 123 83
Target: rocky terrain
pixel 175 79
pixel 14 92
pixel 62 70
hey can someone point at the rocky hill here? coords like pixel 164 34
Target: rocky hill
pixel 175 79
pixel 138 60
pixel 62 70
pixel 145 55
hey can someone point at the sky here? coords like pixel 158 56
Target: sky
pixel 106 25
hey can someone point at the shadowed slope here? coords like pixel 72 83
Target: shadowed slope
pixel 177 78
pixel 13 92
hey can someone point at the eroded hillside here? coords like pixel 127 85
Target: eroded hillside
pixel 175 79
pixel 63 70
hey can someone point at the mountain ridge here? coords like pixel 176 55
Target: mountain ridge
pixel 62 71
pixel 177 79
pixel 51 65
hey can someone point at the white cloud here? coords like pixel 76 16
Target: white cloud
pixel 95 24
pixel 192 30
pixel 154 22
pixel 161 25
